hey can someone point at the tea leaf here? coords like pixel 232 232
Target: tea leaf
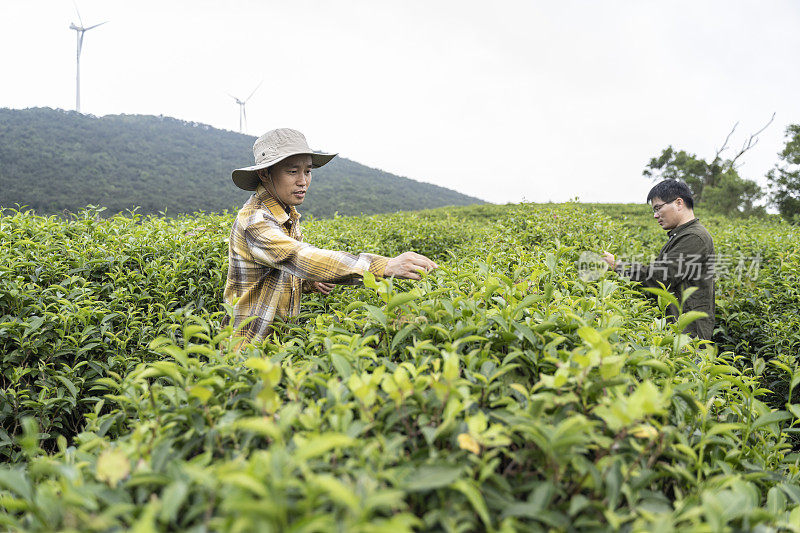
pixel 112 467
pixel 475 499
pixel 322 444
pixel 432 477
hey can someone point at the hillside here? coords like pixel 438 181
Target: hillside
pixel 52 160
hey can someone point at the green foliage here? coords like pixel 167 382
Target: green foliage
pixel 681 165
pixel 80 300
pixel 733 195
pixel 53 160
pixel 717 184
pixel 785 179
pixel 501 393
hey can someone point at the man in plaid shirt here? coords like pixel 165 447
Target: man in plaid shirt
pixel 269 265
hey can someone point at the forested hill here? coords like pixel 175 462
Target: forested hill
pixel 52 160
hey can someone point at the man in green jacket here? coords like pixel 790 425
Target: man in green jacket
pixel 686 260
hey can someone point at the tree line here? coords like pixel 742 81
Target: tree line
pixel 54 161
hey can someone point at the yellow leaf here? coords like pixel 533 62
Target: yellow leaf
pixel 113 466
pixel 452 367
pixel 645 432
pixel 466 442
pixel 520 389
pixel 200 392
pixel 257 363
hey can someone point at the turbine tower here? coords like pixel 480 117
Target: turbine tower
pixel 79 31
pixel 242 112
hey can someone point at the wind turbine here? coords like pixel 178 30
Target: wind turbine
pixel 79 31
pixel 242 112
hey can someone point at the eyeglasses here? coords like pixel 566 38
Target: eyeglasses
pixel 657 208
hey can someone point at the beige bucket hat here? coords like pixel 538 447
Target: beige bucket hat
pixel 273 147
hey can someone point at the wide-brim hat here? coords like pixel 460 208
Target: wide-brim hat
pixel 273 147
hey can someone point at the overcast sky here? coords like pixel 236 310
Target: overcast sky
pixel 503 100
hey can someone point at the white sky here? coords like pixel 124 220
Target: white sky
pixel 503 100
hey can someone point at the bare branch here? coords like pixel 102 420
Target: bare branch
pixel 725 144
pixel 751 142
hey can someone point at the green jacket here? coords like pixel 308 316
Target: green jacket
pixel 686 260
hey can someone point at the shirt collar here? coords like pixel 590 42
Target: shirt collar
pixel 278 212
pixel 679 229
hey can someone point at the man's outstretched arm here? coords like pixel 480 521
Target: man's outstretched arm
pixel 267 244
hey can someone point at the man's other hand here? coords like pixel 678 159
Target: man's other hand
pixel 407 266
pixel 323 288
pixel 610 259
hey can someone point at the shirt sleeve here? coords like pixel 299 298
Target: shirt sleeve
pixel 684 262
pixel 268 245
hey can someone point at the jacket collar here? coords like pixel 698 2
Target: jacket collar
pixel 682 227
pixel 278 212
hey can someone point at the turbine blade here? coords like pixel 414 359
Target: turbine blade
pixel 96 25
pixel 79 13
pixel 254 90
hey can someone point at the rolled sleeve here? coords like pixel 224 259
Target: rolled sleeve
pixel 377 265
pixel 270 246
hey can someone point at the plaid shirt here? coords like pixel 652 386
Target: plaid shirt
pixel 267 263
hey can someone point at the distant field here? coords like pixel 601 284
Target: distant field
pixel 503 392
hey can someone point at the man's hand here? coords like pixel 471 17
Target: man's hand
pixel 610 259
pixel 407 266
pixel 321 287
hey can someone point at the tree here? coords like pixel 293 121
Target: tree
pixel 733 195
pixel 717 183
pixel 785 178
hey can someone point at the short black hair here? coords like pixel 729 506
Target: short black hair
pixel 670 190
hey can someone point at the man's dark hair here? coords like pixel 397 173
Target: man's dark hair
pixel 670 190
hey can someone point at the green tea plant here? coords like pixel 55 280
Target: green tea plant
pixel 502 392
pixel 80 300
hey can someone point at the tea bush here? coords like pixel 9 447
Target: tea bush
pixel 80 300
pixel 502 392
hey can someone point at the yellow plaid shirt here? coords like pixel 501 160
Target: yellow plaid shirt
pixel 267 263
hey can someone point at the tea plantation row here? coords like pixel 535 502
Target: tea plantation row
pixel 503 392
